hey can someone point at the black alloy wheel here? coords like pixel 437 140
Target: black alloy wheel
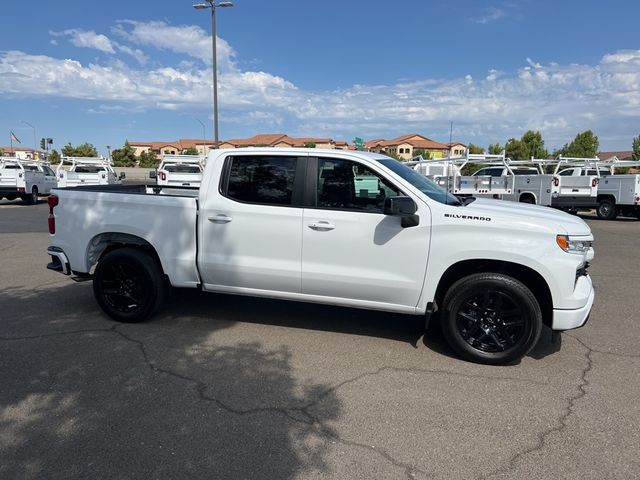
pixel 129 285
pixel 491 318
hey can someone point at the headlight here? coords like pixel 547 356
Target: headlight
pixel 573 244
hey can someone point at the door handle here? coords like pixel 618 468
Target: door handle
pixel 321 226
pixel 220 219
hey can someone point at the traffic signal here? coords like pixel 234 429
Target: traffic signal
pixel 42 143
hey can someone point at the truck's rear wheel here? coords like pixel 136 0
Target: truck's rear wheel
pixel 491 318
pixel 32 198
pixel 128 285
pixel 607 209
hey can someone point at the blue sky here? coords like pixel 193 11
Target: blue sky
pixel 139 70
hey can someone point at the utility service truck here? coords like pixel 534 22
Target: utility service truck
pixel 87 171
pixel 291 224
pixel 179 170
pixel 25 179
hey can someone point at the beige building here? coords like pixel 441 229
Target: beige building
pixel 405 146
pixel 23 153
pixel 457 148
pixel 283 141
pixel 172 148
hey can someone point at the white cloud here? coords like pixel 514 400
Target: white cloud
pixel 98 41
pixel 186 39
pixel 490 15
pixel 558 99
pixel 86 39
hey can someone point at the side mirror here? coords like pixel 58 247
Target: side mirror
pixel 403 207
pixel 123 175
pixel 399 206
pixel 152 174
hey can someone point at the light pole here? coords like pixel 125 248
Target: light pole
pixel 213 5
pixel 204 137
pixel 35 145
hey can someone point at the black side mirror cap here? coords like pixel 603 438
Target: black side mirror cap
pixel 152 174
pixel 123 175
pixel 403 207
pixel 399 206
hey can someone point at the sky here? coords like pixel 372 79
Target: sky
pixel 106 72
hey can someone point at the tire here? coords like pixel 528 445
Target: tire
pixel 33 198
pixel 491 318
pixel 129 285
pixel 607 209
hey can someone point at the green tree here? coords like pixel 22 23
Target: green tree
pixel 635 146
pixel 309 144
pixel 495 149
pixel 515 149
pixel 475 149
pixel 585 145
pixel 1 152
pixel 394 156
pixel 149 160
pixel 191 151
pixel 534 145
pixel 54 157
pixel 84 150
pixel 125 156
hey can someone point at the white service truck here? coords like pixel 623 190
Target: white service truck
pixel 588 183
pixel 179 171
pixel 25 179
pixel 86 171
pixel 291 224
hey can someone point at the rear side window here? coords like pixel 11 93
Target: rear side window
pixel 264 180
pixel 492 172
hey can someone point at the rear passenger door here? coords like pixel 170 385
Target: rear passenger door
pixel 251 230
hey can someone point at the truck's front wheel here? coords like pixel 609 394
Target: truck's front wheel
pixel 491 318
pixel 128 285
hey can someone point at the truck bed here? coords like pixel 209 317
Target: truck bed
pixel 164 218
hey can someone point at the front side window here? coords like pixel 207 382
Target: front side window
pixel 346 185
pixel 264 180
pixel 566 173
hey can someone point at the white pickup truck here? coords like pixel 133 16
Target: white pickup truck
pixel 291 224
pixel 86 171
pixel 26 179
pixel 179 171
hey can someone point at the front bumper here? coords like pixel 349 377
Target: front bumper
pixel 574 318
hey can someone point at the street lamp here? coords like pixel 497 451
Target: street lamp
pixel 204 137
pixel 35 146
pixel 211 4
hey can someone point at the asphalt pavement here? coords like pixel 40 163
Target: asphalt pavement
pixel 224 387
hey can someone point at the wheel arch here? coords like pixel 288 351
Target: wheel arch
pixel 531 195
pixel 606 196
pixel 529 277
pixel 106 242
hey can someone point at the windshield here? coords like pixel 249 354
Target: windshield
pixel 426 186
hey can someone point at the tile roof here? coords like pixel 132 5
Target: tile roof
pixel 416 141
pixel 622 155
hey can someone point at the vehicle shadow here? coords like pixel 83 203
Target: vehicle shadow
pixel 83 396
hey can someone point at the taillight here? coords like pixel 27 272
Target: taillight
pixel 636 200
pixel 163 176
pixel 20 189
pixel 53 201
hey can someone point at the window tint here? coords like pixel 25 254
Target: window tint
pixel 88 169
pixel 349 186
pixel 31 168
pixel 566 173
pixel 182 168
pixel 492 172
pixel 262 179
pixel 525 171
pixel 48 171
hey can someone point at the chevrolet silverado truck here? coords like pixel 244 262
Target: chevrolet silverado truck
pixel 295 224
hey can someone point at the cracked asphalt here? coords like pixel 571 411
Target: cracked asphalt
pixel 236 388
